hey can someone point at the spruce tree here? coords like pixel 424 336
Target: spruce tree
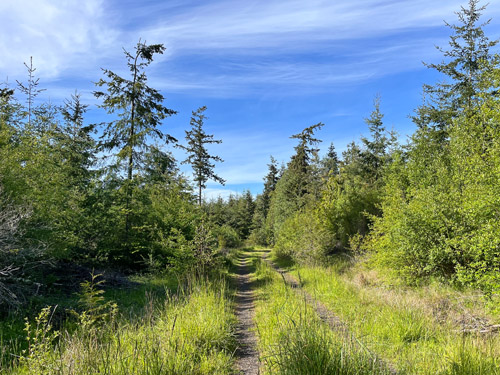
pixel 198 156
pixel 270 182
pixel 77 144
pixel 299 165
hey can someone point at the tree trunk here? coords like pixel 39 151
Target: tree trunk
pixel 131 154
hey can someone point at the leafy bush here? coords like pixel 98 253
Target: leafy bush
pixel 227 237
pixel 303 238
pixel 440 213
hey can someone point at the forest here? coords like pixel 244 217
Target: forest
pixel 384 259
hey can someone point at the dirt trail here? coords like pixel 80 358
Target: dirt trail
pixel 247 355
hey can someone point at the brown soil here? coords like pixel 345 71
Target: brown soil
pixel 247 355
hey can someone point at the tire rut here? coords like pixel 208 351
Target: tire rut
pixel 325 314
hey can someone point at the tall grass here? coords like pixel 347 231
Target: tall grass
pixel 192 332
pixel 398 327
pixel 293 340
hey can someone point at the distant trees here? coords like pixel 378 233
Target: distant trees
pixel 330 162
pixel 427 209
pixel 261 232
pixel 198 156
pixel 293 189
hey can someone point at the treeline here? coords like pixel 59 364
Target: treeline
pixel 98 195
pixel 427 208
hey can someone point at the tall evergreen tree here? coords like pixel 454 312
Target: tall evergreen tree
pixel 139 107
pixel 299 165
pixel 270 182
pixel 198 156
pixel 468 56
pixel 140 113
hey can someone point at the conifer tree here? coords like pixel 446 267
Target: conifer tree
pixel 270 182
pixel 140 113
pixel 198 156
pixel 375 148
pixel 77 144
pixel 30 89
pixel 9 112
pixel 139 107
pixel 330 162
pixel 468 56
pixel 300 163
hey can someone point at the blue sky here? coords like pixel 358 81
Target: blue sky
pixel 265 69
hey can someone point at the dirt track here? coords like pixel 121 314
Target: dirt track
pixel 247 355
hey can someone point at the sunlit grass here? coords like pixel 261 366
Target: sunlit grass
pixel 293 340
pixel 400 326
pixel 191 332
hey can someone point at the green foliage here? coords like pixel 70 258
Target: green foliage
pixel 346 203
pixel 292 339
pixel 303 238
pixel 204 247
pixel 296 186
pixel 37 358
pixel 227 237
pixel 198 156
pixel 330 162
pixel 192 332
pixel 350 196
pixel 416 329
pixel 440 215
pixel 140 112
pixel 468 53
pixel 96 310
pixel 237 212
pixel 139 107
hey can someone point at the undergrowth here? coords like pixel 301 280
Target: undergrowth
pixel 189 332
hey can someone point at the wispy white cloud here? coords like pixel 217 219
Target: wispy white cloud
pixel 60 35
pixel 294 24
pixel 255 49
pixel 268 40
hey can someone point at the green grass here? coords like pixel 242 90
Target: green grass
pixel 396 324
pixel 190 332
pixel 292 339
pixel 130 299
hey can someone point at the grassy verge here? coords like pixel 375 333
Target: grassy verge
pixel 292 339
pixel 130 298
pixel 419 330
pixel 188 332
